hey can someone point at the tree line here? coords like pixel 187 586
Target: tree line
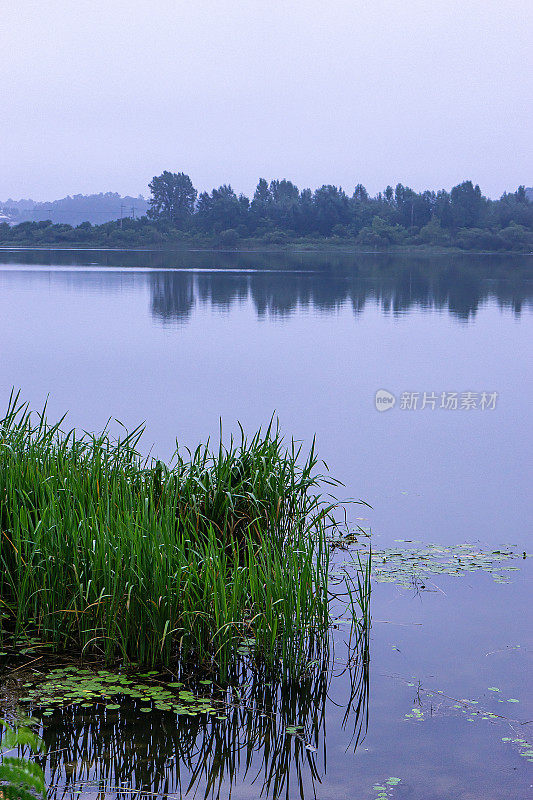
pixel 279 213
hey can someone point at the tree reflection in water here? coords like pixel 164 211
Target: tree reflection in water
pixel 457 285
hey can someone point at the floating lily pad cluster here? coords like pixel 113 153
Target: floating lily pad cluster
pixel 524 748
pixel 471 708
pixel 384 790
pixel 500 699
pixel 473 711
pixel 414 562
pixel 87 688
pixel 415 713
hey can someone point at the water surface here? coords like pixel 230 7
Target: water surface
pixel 189 342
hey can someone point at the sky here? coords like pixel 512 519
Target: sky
pixel 101 95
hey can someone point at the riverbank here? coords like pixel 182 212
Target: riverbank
pixel 142 235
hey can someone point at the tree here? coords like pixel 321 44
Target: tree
pixel 262 196
pixel 222 208
pixel 304 213
pixel 282 208
pixel 443 209
pixel 260 205
pixel 466 204
pixel 520 194
pixel 331 208
pixel 173 197
pixel 275 204
pixel 284 193
pixel 360 193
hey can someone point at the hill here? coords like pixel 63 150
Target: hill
pixel 73 210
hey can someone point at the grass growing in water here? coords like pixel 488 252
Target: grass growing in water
pixel 20 778
pixel 103 551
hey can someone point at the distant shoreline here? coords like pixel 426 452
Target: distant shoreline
pixel 292 248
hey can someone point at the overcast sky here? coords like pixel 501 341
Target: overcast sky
pixel 100 95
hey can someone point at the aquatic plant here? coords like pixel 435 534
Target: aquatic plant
pixel 20 778
pixel 413 564
pixel 385 790
pixel 104 551
pixel 89 688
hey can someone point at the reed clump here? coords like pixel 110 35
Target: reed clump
pixel 103 551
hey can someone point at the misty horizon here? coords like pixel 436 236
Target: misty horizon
pixel 106 96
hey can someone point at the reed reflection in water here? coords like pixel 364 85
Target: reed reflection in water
pixel 116 754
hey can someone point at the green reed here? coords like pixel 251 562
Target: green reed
pixel 104 551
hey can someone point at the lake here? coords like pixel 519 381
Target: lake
pixel 191 343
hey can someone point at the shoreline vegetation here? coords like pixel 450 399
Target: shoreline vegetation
pixel 108 554
pixel 281 216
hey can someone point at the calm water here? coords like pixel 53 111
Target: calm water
pixel 184 341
